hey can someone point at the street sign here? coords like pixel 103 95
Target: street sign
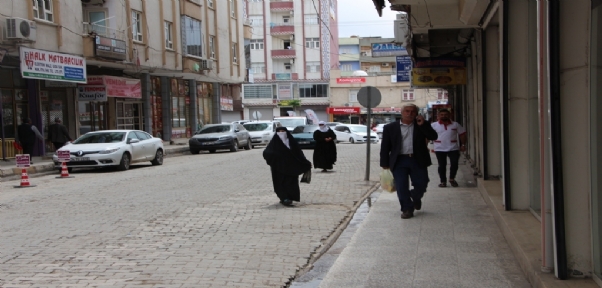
pixel 369 96
pixel 63 156
pixel 257 115
pixel 22 160
pixel 404 67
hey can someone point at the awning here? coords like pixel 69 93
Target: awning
pixel 113 86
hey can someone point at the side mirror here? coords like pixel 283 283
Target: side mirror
pixel 132 141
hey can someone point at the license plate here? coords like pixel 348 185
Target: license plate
pixel 303 142
pixel 208 143
pixel 80 159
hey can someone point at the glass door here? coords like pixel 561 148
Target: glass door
pixel 92 116
pixel 129 115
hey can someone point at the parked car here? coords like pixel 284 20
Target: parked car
pixel 332 124
pixel 212 137
pixel 290 122
pixel 353 133
pixel 304 134
pixel 379 130
pixel 261 131
pixel 118 148
pixel 241 122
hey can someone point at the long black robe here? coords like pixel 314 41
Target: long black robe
pixel 325 153
pixel 286 165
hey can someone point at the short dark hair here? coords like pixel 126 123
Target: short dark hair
pixel 443 110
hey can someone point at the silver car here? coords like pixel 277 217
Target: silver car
pixel 118 148
pixel 212 137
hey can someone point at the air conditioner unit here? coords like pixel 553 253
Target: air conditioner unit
pixel 21 29
pixel 206 64
pixel 385 64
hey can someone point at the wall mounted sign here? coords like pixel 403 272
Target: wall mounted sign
pixel 40 64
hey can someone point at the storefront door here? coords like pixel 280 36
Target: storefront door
pixel 92 116
pixel 54 105
pixel 129 115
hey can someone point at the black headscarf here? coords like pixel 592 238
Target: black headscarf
pixel 289 161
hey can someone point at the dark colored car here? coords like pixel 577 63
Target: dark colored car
pixel 220 136
pixel 304 134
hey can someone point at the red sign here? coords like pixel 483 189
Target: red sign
pixel 343 110
pixel 118 86
pixel 351 80
pixel 63 156
pixel 22 160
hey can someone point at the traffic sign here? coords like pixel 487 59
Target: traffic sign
pixel 63 155
pixel 22 160
pixel 257 115
pixel 369 96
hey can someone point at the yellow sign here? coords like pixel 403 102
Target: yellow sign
pixel 440 76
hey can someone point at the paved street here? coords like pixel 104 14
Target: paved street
pixel 209 220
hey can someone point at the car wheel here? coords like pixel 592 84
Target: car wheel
pixel 234 147
pixel 194 151
pixel 158 158
pixel 212 151
pixel 351 140
pixel 253 146
pixel 248 146
pixel 124 164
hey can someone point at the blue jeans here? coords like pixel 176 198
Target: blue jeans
pixel 408 166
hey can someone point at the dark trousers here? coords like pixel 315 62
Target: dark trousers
pixel 405 167
pixel 454 156
pixel 57 145
pixel 28 149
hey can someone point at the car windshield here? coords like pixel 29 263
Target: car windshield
pixel 360 129
pixel 257 126
pixel 305 129
pixel 291 122
pixel 214 129
pixel 100 137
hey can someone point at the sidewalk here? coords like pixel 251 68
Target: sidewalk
pixel 44 165
pixel 454 241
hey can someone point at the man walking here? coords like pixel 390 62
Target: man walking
pixel 58 134
pixel 446 145
pixel 403 150
pixel 26 137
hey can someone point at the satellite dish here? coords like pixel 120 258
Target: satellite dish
pixel 359 73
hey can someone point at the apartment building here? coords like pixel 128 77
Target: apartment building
pixel 164 66
pixel 371 61
pixel 293 48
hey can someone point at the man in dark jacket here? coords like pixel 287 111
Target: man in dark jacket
pixel 403 150
pixel 26 137
pixel 58 134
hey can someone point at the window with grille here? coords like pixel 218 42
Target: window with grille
pixel 257 68
pixel 311 19
pixel 312 43
pixel 407 94
pixel 258 91
pixel 136 25
pixel 353 95
pixel 257 44
pixel 191 37
pixel 313 66
pixel 313 90
pixel 168 38
pixel 42 9
pixel 441 94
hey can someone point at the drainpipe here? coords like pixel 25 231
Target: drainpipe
pixel 505 120
pixel 484 103
pixel 557 172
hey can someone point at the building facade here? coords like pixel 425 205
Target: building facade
pixel 292 51
pixel 164 67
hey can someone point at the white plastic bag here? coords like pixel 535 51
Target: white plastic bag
pixel 387 182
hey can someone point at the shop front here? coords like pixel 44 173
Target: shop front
pixel 348 115
pixel 180 108
pixel 204 93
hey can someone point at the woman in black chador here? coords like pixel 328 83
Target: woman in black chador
pixel 287 162
pixel 325 153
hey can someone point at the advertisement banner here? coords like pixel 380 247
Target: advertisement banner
pixel 311 115
pixel 343 110
pixel 404 67
pixel 92 93
pixel 351 80
pixel 117 86
pixel 285 91
pixel 388 50
pixel 46 65
pixel 437 72
pixel 226 103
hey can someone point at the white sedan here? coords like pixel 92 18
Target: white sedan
pixel 353 133
pixel 118 148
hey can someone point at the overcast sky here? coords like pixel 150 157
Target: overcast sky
pixel 359 17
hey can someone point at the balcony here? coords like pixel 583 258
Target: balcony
pixel 282 29
pixel 278 5
pixel 283 53
pixel 285 76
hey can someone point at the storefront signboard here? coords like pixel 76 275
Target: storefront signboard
pixel 351 80
pixel 282 76
pixel 57 84
pixel 437 72
pixel 22 160
pixel 226 103
pixel 343 110
pixel 40 64
pixel 116 86
pixel 404 66
pixel 388 50
pixel 109 48
pixel 92 93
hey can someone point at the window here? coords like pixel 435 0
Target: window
pixel 234 53
pixel 257 44
pixel 407 94
pixel 256 20
pixel 42 9
pixel 191 37
pixel 374 68
pixel 258 91
pixel 353 95
pixel 256 1
pixel 286 19
pixel 441 94
pixel 312 43
pixel 311 19
pixel 313 66
pixel 346 67
pixel 313 90
pixel 210 3
pixel 97 22
pixel 287 66
pixel 168 38
pixel 136 25
pixel 232 8
pixel 212 46
pixel 257 68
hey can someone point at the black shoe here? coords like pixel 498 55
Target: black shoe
pixel 407 214
pixel 418 205
pixel 287 202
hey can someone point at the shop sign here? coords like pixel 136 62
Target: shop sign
pixel 388 50
pixel 284 91
pixel 117 86
pixel 226 103
pixel 282 76
pixel 40 64
pixel 437 72
pixel 57 84
pixel 404 66
pixel 92 93
pixel 351 80
pixel 343 110
pixel 109 48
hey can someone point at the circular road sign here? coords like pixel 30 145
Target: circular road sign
pixel 369 96
pixel 256 115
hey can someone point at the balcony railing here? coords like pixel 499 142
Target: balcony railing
pixel 281 5
pixel 282 28
pixel 95 29
pixel 284 53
